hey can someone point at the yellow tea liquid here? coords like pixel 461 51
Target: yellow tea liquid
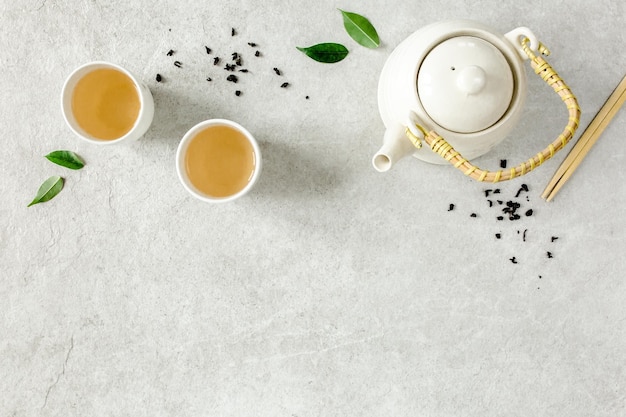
pixel 220 161
pixel 105 103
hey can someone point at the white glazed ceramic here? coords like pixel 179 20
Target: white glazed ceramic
pixel 146 111
pixel 460 78
pixel 182 150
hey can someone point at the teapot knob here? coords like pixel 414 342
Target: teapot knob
pixel 471 79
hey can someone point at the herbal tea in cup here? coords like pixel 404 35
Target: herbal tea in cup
pixel 103 103
pixel 218 161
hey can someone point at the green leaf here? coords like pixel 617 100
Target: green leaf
pixel 327 53
pixel 48 190
pixel 67 159
pixel 360 29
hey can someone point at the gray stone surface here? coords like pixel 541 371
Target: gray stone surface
pixel 330 290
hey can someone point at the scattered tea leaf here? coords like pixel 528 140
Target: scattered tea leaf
pixel 48 190
pixel 67 159
pixel 327 53
pixel 360 29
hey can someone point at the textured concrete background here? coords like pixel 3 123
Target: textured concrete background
pixel 331 290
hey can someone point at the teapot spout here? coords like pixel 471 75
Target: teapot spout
pixel 395 147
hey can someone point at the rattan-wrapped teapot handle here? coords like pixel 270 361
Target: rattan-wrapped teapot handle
pixel 547 73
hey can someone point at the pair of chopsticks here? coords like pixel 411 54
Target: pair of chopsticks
pixel 586 141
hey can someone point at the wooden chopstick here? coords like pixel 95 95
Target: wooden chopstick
pixel 586 141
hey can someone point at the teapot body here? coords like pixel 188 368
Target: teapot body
pixel 400 103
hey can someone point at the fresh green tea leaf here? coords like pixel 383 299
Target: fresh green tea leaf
pixel 327 53
pixel 50 188
pixel 67 159
pixel 360 29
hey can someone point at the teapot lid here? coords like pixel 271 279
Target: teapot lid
pixel 465 84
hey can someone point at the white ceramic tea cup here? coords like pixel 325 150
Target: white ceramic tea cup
pixel 146 103
pixel 182 152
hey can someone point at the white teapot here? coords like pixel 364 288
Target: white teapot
pixel 463 81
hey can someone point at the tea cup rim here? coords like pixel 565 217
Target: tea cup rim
pixel 184 144
pixel 139 127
